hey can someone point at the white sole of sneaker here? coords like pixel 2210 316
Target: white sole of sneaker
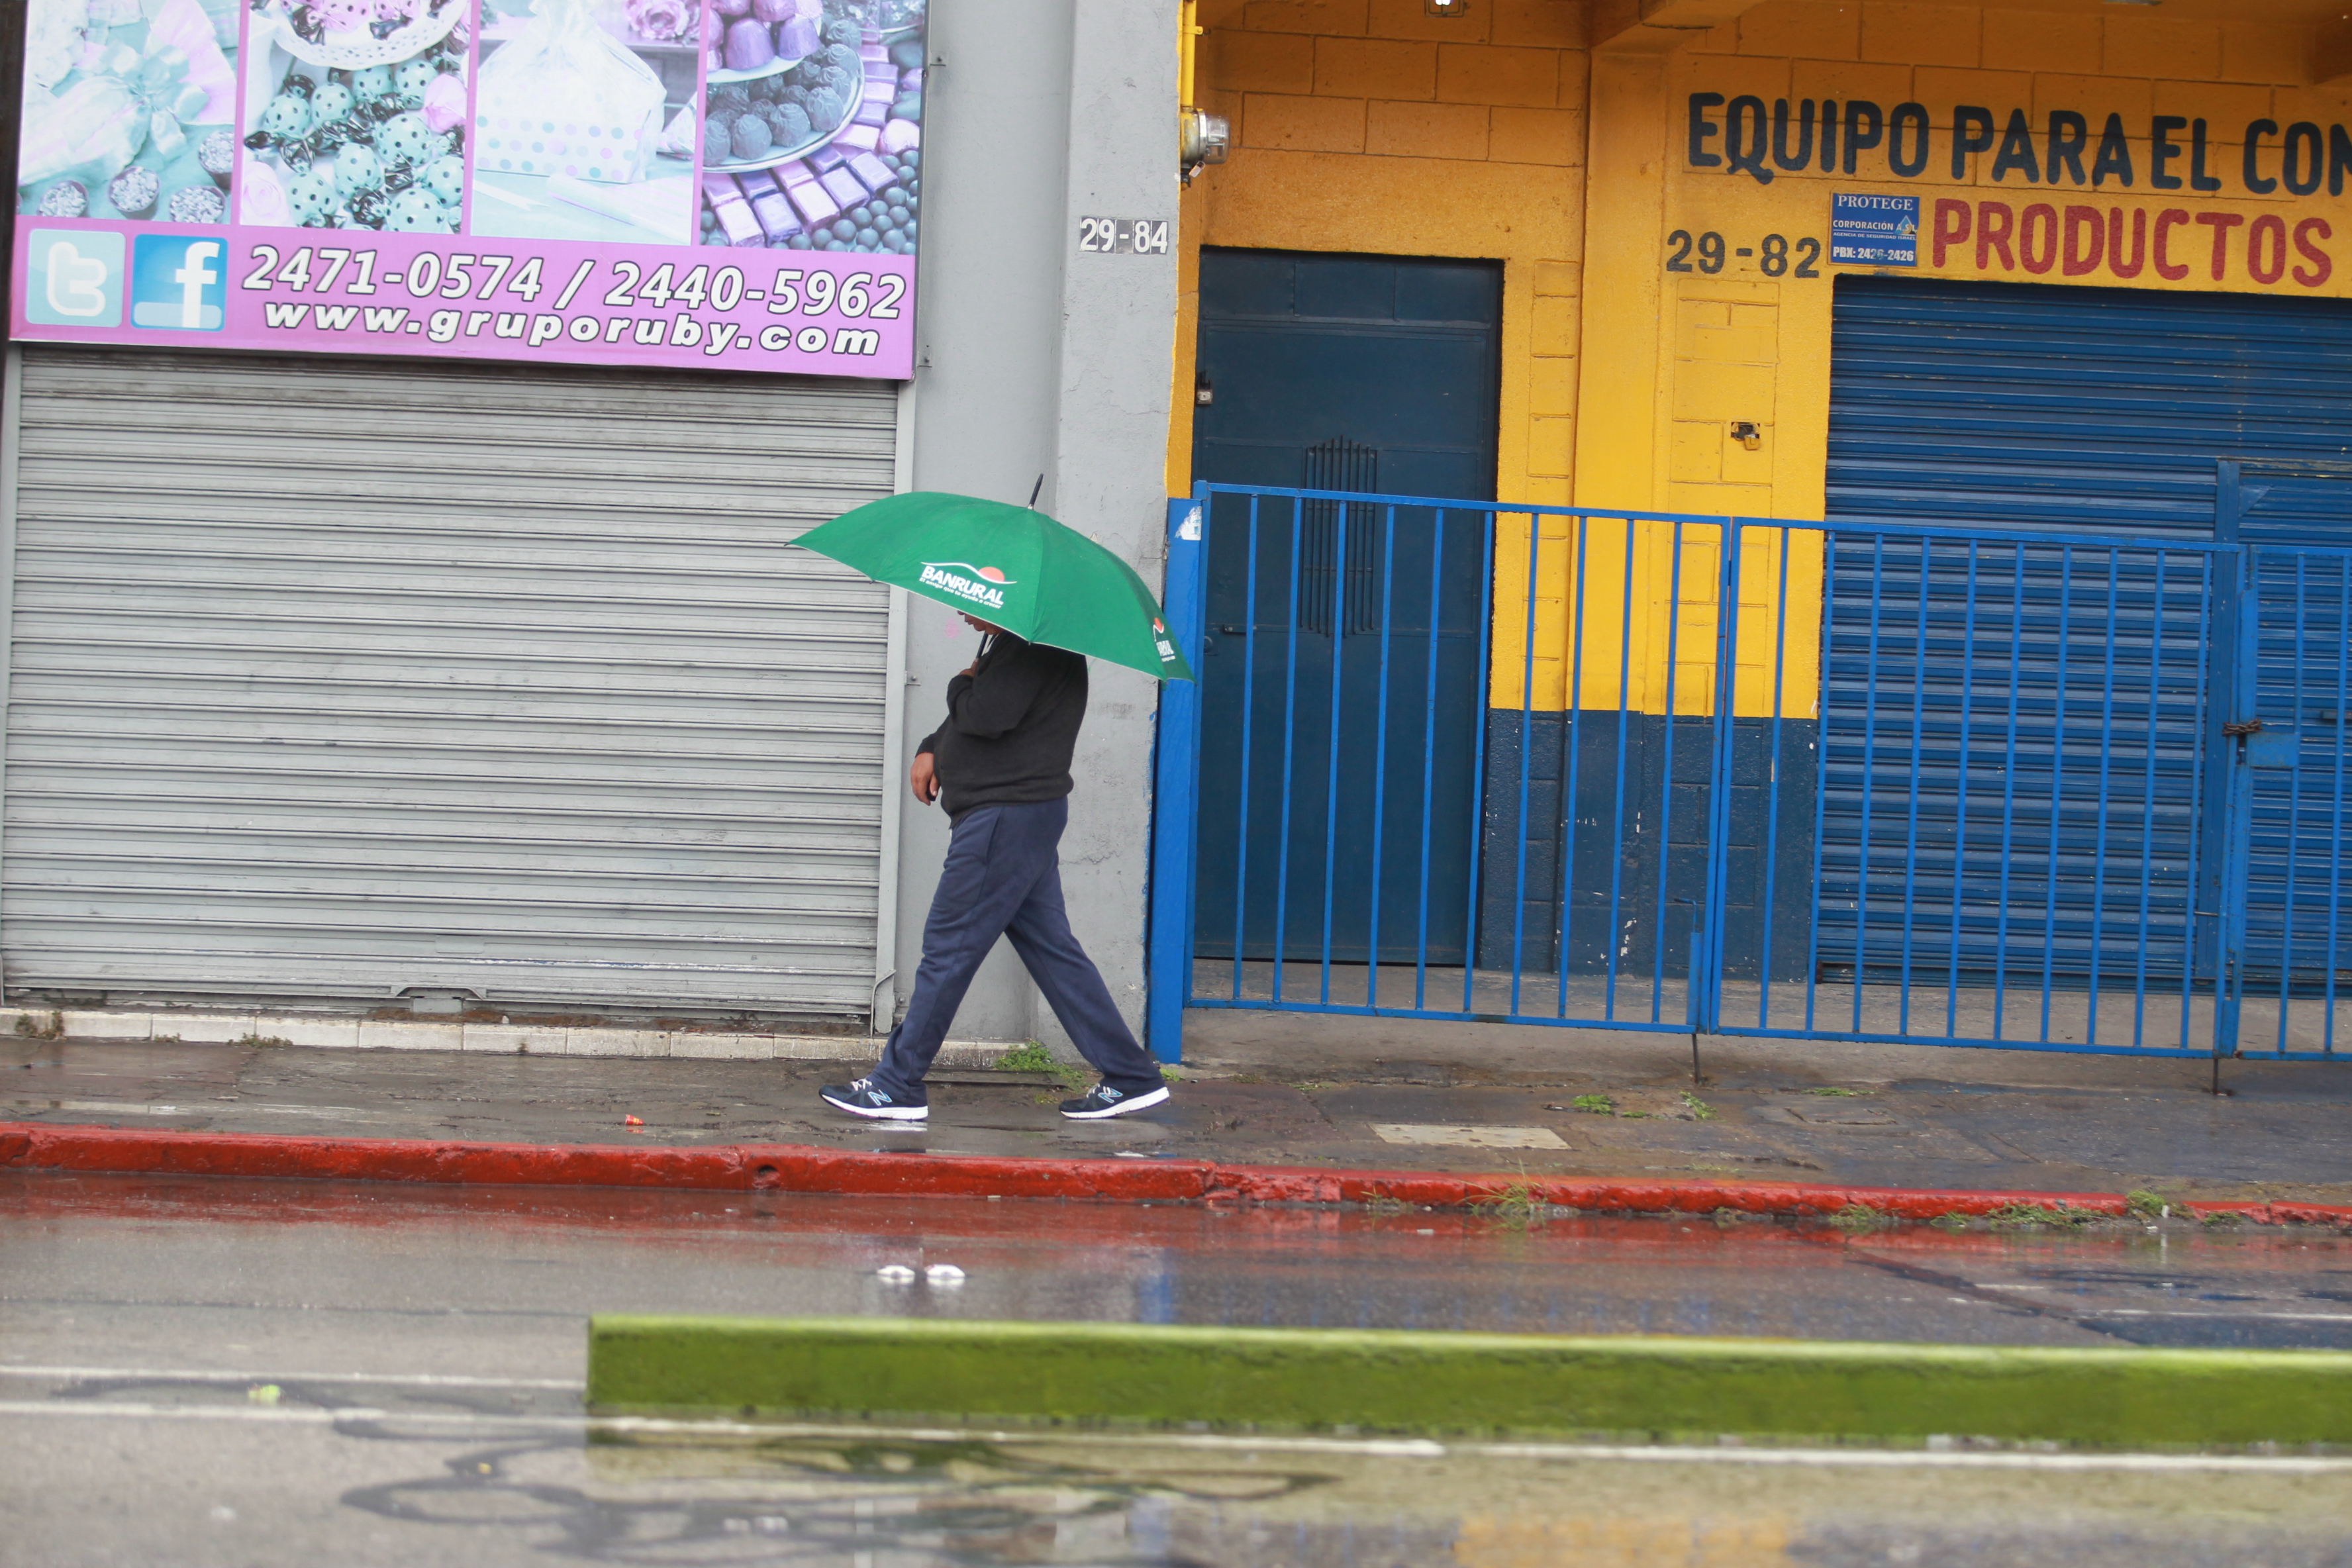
pixel 894 1113
pixel 1138 1102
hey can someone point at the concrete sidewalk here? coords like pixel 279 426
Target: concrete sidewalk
pixel 1321 1092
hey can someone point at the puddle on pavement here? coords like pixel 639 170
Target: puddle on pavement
pixel 1505 1270
pixel 378 1282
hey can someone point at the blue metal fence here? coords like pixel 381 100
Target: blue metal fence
pixel 2293 693
pixel 2013 744
pixel 1557 765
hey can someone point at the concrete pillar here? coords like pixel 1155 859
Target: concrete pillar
pixel 1037 360
pixel 1117 342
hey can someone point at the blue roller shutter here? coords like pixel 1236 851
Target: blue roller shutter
pixel 2082 412
pixel 2073 410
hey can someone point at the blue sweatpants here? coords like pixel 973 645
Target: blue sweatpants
pixel 1003 876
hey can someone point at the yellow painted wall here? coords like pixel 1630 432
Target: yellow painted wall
pixel 1370 126
pixel 1516 133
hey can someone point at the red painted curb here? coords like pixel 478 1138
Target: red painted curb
pixel 799 1168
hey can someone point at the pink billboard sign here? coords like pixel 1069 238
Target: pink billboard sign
pixel 296 289
pixel 678 182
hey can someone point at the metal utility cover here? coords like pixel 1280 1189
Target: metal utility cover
pixel 1471 1137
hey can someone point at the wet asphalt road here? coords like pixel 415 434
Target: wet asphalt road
pixel 278 1372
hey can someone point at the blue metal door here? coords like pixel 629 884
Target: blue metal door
pixel 2294 688
pixel 1341 659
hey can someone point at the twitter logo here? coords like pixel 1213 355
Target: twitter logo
pixel 76 278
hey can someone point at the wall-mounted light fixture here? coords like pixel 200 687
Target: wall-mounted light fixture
pixel 1446 7
pixel 1200 138
pixel 1748 434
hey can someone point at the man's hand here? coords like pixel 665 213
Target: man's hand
pixel 986 630
pixel 925 778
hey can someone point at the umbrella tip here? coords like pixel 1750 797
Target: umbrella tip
pixel 1035 490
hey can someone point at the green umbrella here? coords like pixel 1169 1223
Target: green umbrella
pixel 1011 567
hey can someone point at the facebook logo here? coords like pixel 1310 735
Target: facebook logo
pixel 179 281
pixel 77 278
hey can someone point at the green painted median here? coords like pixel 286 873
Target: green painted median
pixel 1440 1383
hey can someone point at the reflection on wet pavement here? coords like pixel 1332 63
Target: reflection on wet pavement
pixel 250 1374
pixel 397 1253
pixel 436 1484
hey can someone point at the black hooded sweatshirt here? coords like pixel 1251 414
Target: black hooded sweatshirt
pixel 1011 727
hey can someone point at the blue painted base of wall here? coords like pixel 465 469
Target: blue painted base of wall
pixel 1637 833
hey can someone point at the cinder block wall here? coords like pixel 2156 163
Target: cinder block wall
pixel 1372 126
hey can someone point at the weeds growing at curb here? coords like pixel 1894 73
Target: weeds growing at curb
pixel 2223 1219
pixel 1699 1109
pixel 1381 1204
pixel 1033 1056
pixel 2146 1204
pixel 1594 1104
pixel 1515 1207
pixel 1950 1222
pixel 1727 1217
pixel 2035 1217
pixel 33 1028
pixel 1835 1093
pixel 1030 1057
pixel 259 1040
pixel 1858 1216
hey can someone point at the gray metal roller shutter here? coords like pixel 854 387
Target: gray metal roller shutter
pixel 338 678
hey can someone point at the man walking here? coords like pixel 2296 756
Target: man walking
pixel 1002 762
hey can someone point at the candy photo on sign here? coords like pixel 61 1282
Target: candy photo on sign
pixel 129 110
pixel 354 115
pixel 585 122
pixel 813 124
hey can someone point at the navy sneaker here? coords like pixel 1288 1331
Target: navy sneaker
pixel 1102 1101
pixel 865 1098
